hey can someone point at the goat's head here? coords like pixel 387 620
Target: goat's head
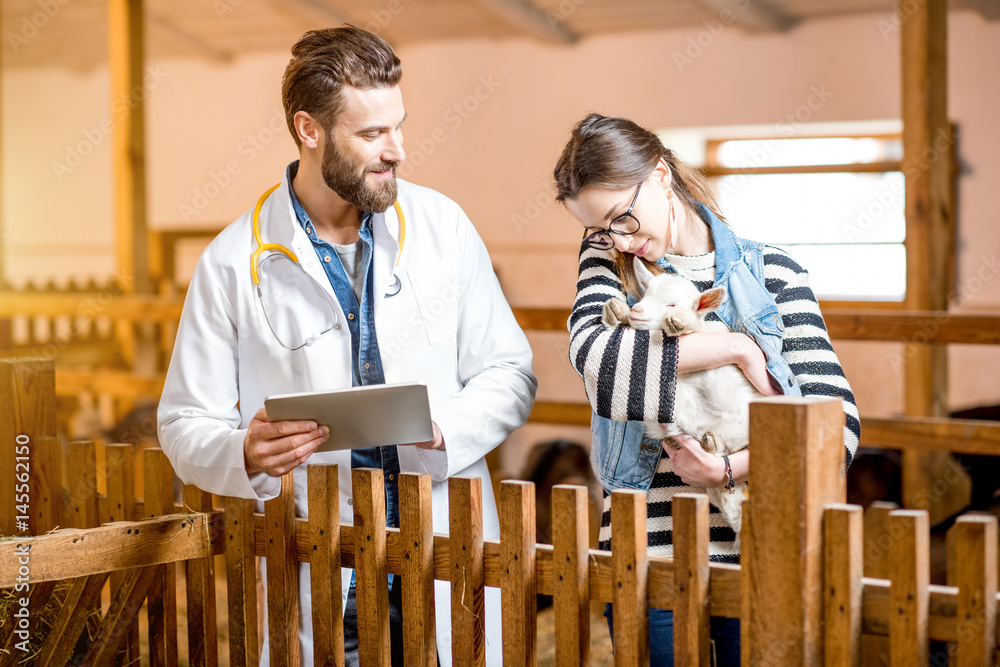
pixel 672 303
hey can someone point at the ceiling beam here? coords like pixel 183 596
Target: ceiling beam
pixel 988 9
pixel 325 14
pixel 530 20
pixel 195 42
pixel 755 17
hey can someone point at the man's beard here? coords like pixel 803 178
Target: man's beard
pixel 347 178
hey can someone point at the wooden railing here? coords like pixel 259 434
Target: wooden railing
pixel 799 591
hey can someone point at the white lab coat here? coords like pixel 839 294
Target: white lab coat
pixel 449 327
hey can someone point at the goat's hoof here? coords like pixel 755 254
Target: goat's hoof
pixel 708 443
pixel 670 442
pixel 615 313
pixel 672 325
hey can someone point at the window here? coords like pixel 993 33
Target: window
pixel 834 200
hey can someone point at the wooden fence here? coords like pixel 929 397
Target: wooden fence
pixel 800 590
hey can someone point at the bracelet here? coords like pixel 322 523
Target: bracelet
pixel 731 485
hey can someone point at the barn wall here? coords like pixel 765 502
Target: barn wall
pixel 487 121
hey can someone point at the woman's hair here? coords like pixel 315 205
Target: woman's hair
pixel 616 153
pixel 324 61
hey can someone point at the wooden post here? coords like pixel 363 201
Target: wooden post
pixel 517 562
pixel 465 510
pixel 691 575
pixel 927 168
pixel 282 576
pixel 416 528
pixel 370 566
pixel 128 149
pixel 324 565
pixel 796 469
pixel 28 402
pixel 571 567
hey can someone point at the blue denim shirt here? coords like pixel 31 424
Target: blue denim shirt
pixel 622 456
pixel 366 362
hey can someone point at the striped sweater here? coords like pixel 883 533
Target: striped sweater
pixel 630 375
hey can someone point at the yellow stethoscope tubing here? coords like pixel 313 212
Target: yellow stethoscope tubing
pixel 277 247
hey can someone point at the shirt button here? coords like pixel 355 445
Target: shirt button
pixel 790 381
pixel 350 316
pixel 391 477
pixel 366 368
pixel 309 230
pixel 326 259
pixel 350 501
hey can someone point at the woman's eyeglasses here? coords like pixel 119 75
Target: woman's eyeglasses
pixel 626 223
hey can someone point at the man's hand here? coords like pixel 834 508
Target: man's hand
pixel 694 465
pixel 437 442
pixel 277 447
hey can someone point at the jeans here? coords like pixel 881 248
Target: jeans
pixel 725 634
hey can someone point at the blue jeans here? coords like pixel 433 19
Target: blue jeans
pixel 725 633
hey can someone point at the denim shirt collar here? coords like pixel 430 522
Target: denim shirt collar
pixel 303 217
pixel 728 248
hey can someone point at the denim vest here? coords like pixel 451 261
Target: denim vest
pixel 621 455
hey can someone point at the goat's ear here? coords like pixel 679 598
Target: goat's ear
pixel 642 274
pixel 711 299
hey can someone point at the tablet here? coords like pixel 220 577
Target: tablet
pixel 358 417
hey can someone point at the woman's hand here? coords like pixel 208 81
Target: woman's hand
pixel 703 350
pixel 694 465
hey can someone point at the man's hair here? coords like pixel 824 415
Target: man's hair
pixel 324 61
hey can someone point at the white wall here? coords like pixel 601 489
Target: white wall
pixel 494 152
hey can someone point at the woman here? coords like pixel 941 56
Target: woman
pixel 634 198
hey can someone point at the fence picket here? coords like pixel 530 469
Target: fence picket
pixel 200 581
pixel 82 485
pixel 691 573
pixel 417 536
pixel 975 538
pixel 158 492
pixel 47 474
pixel 630 607
pixel 324 565
pixel 370 566
pixel 842 570
pixel 241 582
pixel 517 561
pixel 119 461
pixel 571 569
pixel 465 509
pixel 875 649
pixel 908 592
pixel 282 576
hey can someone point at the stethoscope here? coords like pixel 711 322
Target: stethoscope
pixel 394 288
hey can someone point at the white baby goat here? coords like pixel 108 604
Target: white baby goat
pixel 712 406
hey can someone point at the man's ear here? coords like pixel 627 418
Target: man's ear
pixel 307 128
pixel 711 299
pixel 642 274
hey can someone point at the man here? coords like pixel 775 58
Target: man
pixel 372 299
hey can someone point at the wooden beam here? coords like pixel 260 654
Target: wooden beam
pixel 913 326
pixel 128 146
pixel 120 545
pixel 90 304
pixel 988 9
pixel 967 436
pixel 200 46
pixel 530 20
pixel 755 17
pixel 910 326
